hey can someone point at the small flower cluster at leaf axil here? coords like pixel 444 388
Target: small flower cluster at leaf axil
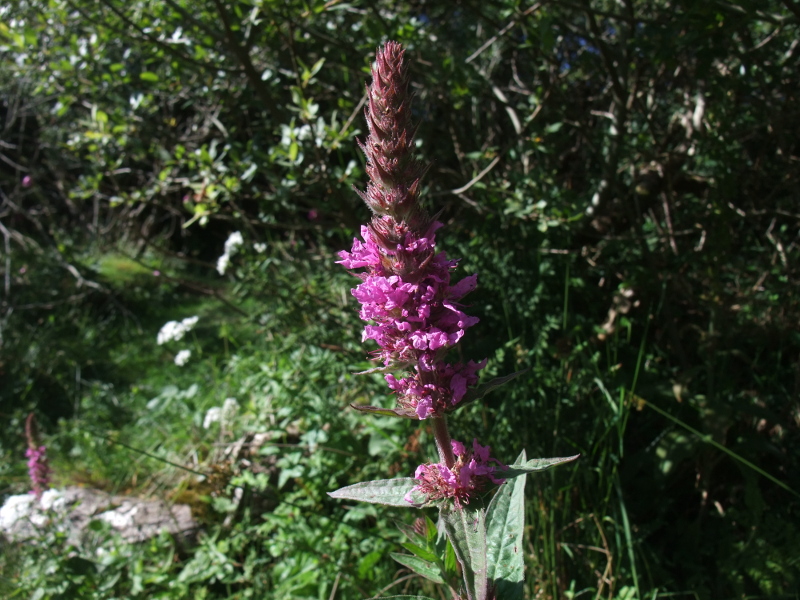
pixel 469 475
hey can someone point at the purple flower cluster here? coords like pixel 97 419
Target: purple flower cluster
pixel 417 318
pixel 405 290
pixel 470 473
pixel 38 470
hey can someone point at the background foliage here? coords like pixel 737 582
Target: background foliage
pixel 622 175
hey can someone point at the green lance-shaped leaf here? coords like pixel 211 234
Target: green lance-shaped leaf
pixel 421 567
pixel 533 465
pixel 466 528
pixel 423 553
pixel 390 492
pixel 422 538
pixel 481 390
pixel 505 523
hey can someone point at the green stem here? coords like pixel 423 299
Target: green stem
pixel 443 444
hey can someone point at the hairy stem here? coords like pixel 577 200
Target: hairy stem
pixel 443 444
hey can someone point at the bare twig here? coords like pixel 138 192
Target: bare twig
pixel 393 584
pixel 502 32
pixel 777 243
pixel 353 114
pixel 668 221
pixel 477 178
pixel 335 586
pixel 7 244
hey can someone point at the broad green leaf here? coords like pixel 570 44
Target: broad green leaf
pixel 148 76
pixel 420 567
pixel 535 464
pixel 481 390
pixel 466 529
pixel 403 413
pixel 505 524
pixel 390 492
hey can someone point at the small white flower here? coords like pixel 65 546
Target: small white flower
pixel 16 508
pixel 222 264
pixel 173 330
pixel 231 247
pixel 213 415
pixel 233 242
pixel 53 499
pixel 229 408
pixel 182 357
pixel 259 247
pixel 167 332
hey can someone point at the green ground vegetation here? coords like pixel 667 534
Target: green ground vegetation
pixel 622 176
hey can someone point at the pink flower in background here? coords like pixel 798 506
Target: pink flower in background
pixel 27 181
pixel 468 476
pixel 38 470
pixel 405 290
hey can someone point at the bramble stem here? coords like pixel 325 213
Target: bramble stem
pixel 442 435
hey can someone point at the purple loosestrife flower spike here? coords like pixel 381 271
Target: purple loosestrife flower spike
pixel 406 291
pixel 38 469
pixel 394 174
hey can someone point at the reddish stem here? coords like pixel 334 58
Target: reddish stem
pixel 443 443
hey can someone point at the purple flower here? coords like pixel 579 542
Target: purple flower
pixel 434 388
pixel 38 470
pixel 405 290
pixel 27 181
pixel 467 477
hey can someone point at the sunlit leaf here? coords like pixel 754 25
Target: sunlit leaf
pixel 505 523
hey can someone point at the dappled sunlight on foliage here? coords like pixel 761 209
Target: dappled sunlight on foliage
pixel 622 176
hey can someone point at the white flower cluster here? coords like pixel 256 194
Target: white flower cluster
pixel 231 247
pixel 182 357
pixel 26 507
pixel 223 415
pixel 174 330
